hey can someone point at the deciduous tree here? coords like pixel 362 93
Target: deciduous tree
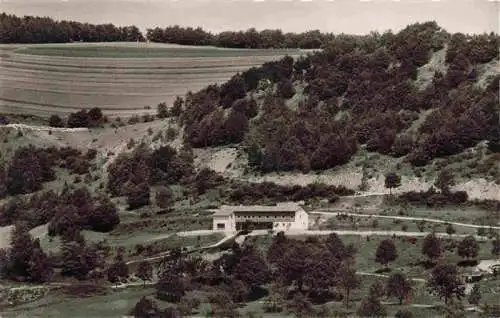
pixel 300 306
pixel 495 246
pixel 444 181
pixel 138 196
pixel 475 295
pixel 398 286
pixel 432 247
pixel 293 265
pixel 468 248
pixel 56 121
pixel 24 174
pixel 164 197
pixel 26 259
pixel 144 271
pixel 386 252
pixel 445 282
pixel 392 180
pixel 377 289
pixel 347 280
pixel 252 269
pixel 371 307
pixel 162 110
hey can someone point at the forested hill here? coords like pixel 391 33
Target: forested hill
pixel 30 29
pixel 421 93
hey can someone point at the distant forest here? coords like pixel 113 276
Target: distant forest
pixel 29 29
pixel 250 39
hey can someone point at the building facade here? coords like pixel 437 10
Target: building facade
pixel 280 217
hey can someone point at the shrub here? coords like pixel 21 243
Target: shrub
pixel 138 196
pixel 134 120
pixel 78 119
pixel 56 121
pixel 286 89
pixel 164 197
pixel 162 110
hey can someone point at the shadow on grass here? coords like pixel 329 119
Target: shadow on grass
pixel 467 263
pixel 383 270
pixel 425 264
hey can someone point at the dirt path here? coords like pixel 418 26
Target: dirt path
pixel 360 233
pixel 420 280
pixel 226 238
pixel 409 218
pixel 44 128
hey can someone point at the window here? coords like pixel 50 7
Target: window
pixel 221 226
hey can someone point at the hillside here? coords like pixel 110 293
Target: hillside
pixel 418 101
pixel 90 203
pixel 362 107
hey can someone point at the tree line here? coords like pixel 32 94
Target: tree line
pixel 249 39
pixel 34 29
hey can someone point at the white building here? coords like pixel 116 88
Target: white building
pixel 280 217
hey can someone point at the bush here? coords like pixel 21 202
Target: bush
pixel 79 119
pixel 433 199
pixel 56 121
pixel 138 196
pixel 286 89
pixel 134 120
pixel 162 110
pixel 164 197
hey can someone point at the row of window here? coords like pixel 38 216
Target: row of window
pixel 262 216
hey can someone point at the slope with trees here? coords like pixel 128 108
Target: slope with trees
pixel 358 91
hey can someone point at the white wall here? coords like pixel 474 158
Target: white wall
pixel 301 222
pixel 228 221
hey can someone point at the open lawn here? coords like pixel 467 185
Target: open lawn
pixel 115 304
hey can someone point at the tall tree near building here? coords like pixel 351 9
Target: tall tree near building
pixel 252 269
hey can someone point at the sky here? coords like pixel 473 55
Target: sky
pixel 347 16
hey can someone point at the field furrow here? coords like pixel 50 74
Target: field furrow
pixel 122 79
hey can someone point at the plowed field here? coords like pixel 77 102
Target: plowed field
pixel 123 79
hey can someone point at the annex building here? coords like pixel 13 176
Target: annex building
pixel 280 217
